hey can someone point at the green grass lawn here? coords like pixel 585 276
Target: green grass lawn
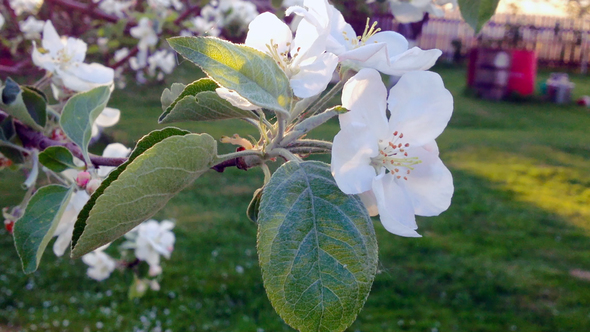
pixel 511 254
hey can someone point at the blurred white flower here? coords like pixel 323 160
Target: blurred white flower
pixel 100 264
pixel 162 59
pixel 114 7
pixel 65 228
pixel 25 6
pixel 208 22
pixel 150 240
pixel 414 10
pixel 1 21
pixel 120 54
pixel 31 27
pixel 107 118
pixel 290 3
pixel 113 150
pixel 237 12
pixel 146 33
pixel 64 58
pixel 163 4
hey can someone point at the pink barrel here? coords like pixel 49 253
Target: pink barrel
pixel 523 72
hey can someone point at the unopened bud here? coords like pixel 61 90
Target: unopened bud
pixel 155 270
pixel 92 186
pixel 83 178
pixel 154 285
pixel 9 225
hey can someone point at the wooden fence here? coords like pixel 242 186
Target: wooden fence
pixel 559 42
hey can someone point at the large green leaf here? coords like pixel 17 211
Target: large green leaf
pixel 35 228
pixel 199 102
pixel 143 188
pixel 477 12
pixel 317 248
pixel 251 73
pixel 142 146
pixel 57 158
pixel 24 104
pixel 79 114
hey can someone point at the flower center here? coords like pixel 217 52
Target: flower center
pixel 393 155
pixel 284 59
pixel 369 32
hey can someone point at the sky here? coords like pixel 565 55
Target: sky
pixel 535 7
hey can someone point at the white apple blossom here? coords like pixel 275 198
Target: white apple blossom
pixel 164 4
pixel 100 264
pixel 393 163
pixel 304 58
pixel 31 27
pixel 238 13
pixel 150 240
pixel 146 32
pixel 209 22
pixel 385 51
pixel 1 21
pixel 25 6
pixel 163 60
pixel 113 150
pixel 65 228
pixel 115 7
pixel 64 59
pixel 414 10
pixel 107 118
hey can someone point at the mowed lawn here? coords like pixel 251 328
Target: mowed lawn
pixel 511 254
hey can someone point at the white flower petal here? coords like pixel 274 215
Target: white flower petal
pixel 313 78
pixel 414 59
pixel 353 148
pixel 364 95
pixel 267 27
pixel 51 40
pixel 235 99
pixel 395 207
pixel 406 13
pixel 370 202
pixel 420 107
pixel 430 185
pixel 108 117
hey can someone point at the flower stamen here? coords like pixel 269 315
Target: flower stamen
pixel 393 156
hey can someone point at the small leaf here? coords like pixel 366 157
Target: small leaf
pixel 57 158
pixel 8 134
pixel 170 95
pixel 24 104
pixel 203 84
pixel 142 146
pixel 35 228
pixel 199 102
pixel 79 114
pixel 254 205
pixel 252 74
pixel 7 130
pixel 317 248
pixel 477 12
pixel 143 188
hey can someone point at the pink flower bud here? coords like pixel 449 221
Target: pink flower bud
pixel 83 178
pixel 92 186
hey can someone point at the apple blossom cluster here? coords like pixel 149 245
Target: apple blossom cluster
pixel 408 11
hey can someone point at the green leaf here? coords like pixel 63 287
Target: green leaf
pixel 79 114
pixel 24 104
pixel 199 102
pixel 477 12
pixel 57 158
pixel 35 228
pixel 8 134
pixel 170 95
pixel 317 248
pixel 254 206
pixel 142 146
pixel 143 188
pixel 252 74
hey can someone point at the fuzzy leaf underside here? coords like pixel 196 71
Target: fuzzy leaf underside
pixel 317 248
pixel 143 188
pixel 34 230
